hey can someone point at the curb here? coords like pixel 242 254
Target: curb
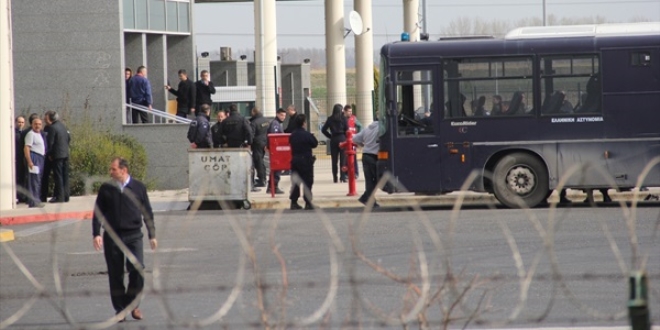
pixel 25 219
pixel 6 235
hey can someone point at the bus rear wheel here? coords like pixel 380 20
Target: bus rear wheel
pixel 520 180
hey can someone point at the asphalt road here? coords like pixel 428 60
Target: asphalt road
pixel 571 275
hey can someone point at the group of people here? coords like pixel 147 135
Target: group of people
pixel 190 95
pixel 335 129
pixel 42 152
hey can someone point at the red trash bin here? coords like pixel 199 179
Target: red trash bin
pixel 279 151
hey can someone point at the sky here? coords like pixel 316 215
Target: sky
pixel 302 24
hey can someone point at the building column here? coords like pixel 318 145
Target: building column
pixel 364 64
pixel 157 72
pixel 335 54
pixel 7 182
pixel 265 54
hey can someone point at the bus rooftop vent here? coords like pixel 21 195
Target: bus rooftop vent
pixel 595 30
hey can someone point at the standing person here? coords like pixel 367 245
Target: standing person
pixel 19 162
pixel 302 162
pixel 185 95
pixel 216 129
pixel 291 111
pixel 335 129
pixel 121 206
pixel 128 74
pixel 34 153
pixel 204 87
pixel 47 169
pixel 260 128
pixel 368 138
pixel 354 126
pixel 275 127
pixel 199 133
pixel 235 130
pixel 57 153
pixel 140 89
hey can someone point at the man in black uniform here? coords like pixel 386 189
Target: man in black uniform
pixel 204 87
pixel 260 140
pixel 121 206
pixel 291 111
pixel 185 95
pixel 216 133
pixel 302 162
pixel 275 127
pixel 19 158
pixel 236 131
pixel 201 137
pixel 57 153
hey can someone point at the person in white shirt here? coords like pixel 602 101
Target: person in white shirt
pixel 34 151
pixel 368 138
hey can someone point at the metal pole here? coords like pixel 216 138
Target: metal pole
pixel 7 183
pixel 544 19
pixel 364 64
pixel 335 53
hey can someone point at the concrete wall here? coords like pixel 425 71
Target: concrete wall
pixel 295 82
pixel 229 73
pixel 68 57
pixel 166 147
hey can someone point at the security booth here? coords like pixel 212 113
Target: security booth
pixel 220 175
pixel 279 152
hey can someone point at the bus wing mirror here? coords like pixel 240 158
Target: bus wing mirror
pixel 389 89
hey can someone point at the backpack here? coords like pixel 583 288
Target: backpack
pixel 197 132
pixel 192 131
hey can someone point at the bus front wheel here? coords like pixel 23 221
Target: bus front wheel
pixel 520 180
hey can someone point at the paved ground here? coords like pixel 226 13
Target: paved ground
pixel 198 264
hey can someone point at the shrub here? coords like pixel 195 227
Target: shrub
pixel 91 152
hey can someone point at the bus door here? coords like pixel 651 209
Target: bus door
pixel 415 144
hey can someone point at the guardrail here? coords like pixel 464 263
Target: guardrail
pixel 158 114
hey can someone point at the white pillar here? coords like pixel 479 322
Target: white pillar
pixel 364 63
pixel 265 54
pixel 335 54
pixel 410 25
pixel 410 18
pixel 7 184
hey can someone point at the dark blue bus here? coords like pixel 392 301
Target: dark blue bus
pixel 523 111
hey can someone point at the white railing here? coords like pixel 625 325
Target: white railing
pixel 164 116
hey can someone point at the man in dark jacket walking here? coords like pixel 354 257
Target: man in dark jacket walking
pixel 121 206
pixel 275 127
pixel 202 135
pixel 185 95
pixel 140 91
pixel 292 114
pixel 57 154
pixel 260 128
pixel 204 87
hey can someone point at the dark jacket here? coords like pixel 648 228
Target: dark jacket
pixel 57 146
pixel 123 211
pixel 140 90
pixel 204 92
pixel 275 127
pixel 236 130
pixel 291 124
pixel 302 143
pixel 260 128
pixel 185 96
pixel 335 128
pixel 216 135
pixel 204 128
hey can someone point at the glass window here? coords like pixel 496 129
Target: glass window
pixel 129 14
pixel 488 87
pixel 414 95
pixel 141 19
pixel 184 18
pixel 157 15
pixel 172 16
pixel 570 85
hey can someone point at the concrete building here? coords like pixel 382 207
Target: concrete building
pixel 70 56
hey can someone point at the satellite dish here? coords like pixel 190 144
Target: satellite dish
pixel 355 22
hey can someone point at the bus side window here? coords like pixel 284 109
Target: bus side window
pixel 414 93
pixel 571 85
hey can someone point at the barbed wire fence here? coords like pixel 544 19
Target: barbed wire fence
pixel 432 290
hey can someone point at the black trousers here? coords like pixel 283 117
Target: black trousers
pixel 370 169
pixel 115 259
pixel 302 168
pixel 337 154
pixel 258 162
pixel 45 179
pixel 182 113
pixel 138 115
pixel 34 180
pixel 20 177
pixel 60 169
